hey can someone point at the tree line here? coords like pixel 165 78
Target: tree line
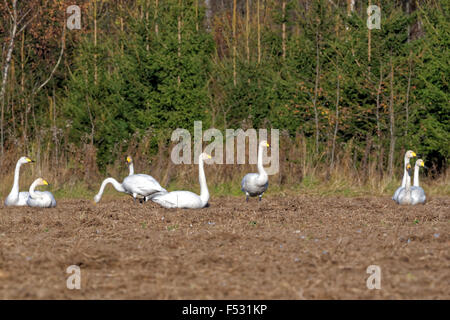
pixel 137 70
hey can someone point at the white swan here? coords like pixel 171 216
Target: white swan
pixel 187 199
pixel 408 155
pixel 404 196
pixel 417 192
pixel 130 166
pixel 134 184
pixel 16 198
pixel 255 184
pixel 42 199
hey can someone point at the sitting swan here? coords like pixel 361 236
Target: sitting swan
pixel 134 184
pixel 187 199
pixel 417 192
pixel 408 155
pixel 42 199
pixel 404 195
pixel 16 198
pixel 255 184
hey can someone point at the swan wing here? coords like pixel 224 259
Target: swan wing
pixel 142 184
pixel 418 195
pixel 20 200
pixel 179 199
pixel 252 186
pixel 45 199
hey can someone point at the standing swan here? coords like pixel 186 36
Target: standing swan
pixel 408 155
pixel 134 184
pixel 255 184
pixel 42 199
pixel 417 192
pixel 16 198
pixel 187 199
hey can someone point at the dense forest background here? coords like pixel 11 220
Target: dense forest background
pixel 348 101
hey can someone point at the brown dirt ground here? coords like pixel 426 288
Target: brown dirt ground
pixel 299 247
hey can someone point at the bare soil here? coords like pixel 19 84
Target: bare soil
pixel 289 247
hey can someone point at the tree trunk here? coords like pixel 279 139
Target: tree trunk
pixel 391 123
pixel 247 30
pixel 234 42
pixel 380 159
pixel 283 35
pixel 336 125
pixel 156 17
pixel 316 89
pixel 5 76
pixel 259 31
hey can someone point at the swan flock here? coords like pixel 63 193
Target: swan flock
pixel 144 187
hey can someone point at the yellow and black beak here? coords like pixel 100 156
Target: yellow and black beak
pixel 45 182
pixel 29 160
pixel 267 145
pixel 408 169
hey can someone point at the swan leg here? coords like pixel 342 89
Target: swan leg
pixel 246 197
pixel 260 196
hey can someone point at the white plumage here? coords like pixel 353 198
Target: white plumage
pixel 136 185
pixel 42 199
pixel 408 155
pixel 255 184
pixel 16 198
pixel 187 199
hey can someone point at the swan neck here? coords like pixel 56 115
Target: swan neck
pixel 114 182
pixel 416 176
pixel 31 191
pixel 261 170
pixel 204 193
pixel 15 187
pixel 131 167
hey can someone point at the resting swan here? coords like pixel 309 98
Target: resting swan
pixel 408 155
pixel 404 195
pixel 16 198
pixel 134 184
pixel 255 184
pixel 42 199
pixel 417 192
pixel 187 199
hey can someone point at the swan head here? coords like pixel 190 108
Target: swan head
pixel 41 182
pixel 408 169
pixel 204 156
pixel 264 144
pixel 410 154
pixel 129 160
pixel 97 198
pixel 420 163
pixel 24 160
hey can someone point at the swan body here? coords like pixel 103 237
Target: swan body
pixel 417 192
pixel 186 199
pixel 16 198
pixel 134 184
pixel 404 195
pixel 255 184
pixel 41 199
pixel 408 155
